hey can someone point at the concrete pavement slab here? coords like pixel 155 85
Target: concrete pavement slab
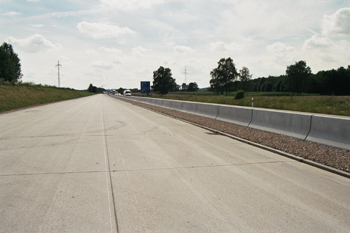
pixel 98 164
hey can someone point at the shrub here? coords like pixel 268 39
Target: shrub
pixel 239 95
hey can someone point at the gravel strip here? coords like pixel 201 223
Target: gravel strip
pixel 326 155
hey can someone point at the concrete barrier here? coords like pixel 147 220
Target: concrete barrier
pixel 143 100
pixel 286 123
pixel 331 131
pixel 177 105
pixel 166 103
pixel 327 130
pixel 207 110
pixel 189 107
pixel 237 115
pixel 152 101
pixel 159 102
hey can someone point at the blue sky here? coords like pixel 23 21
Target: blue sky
pixel 118 43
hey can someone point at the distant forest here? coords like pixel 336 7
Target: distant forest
pixel 331 82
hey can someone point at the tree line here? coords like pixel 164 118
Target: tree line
pixel 298 79
pixel 330 82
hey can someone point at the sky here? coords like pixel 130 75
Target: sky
pixel 118 43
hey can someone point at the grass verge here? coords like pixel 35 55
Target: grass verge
pixel 12 97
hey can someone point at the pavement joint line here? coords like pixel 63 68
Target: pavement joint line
pixel 282 153
pixel 108 172
pixel 51 173
pixel 206 166
pixel 145 169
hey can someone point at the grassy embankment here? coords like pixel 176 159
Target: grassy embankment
pixel 12 97
pixel 335 105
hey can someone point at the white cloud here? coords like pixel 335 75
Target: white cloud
pixel 131 5
pixel 75 13
pixel 104 65
pixel 337 24
pixel 324 53
pixel 33 43
pixel 66 60
pixel 280 48
pixel 103 30
pixel 110 50
pixel 161 25
pixel 223 47
pixel 139 51
pixel 182 50
pixel 282 52
pixel 33 0
pixel 12 13
pixel 116 61
pixel 38 25
pixel 182 16
pixel 91 52
pixel 316 42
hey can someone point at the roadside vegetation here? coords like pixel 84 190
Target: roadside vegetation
pixel 334 105
pixel 326 92
pixel 16 94
pixel 228 85
pixel 28 94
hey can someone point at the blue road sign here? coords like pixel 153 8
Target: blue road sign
pixel 145 87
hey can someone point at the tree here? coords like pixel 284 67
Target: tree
pixel 297 75
pixel 223 76
pixel 239 95
pixel 175 87
pixel 244 76
pixel 184 87
pixel 163 82
pixel 10 66
pixel 94 89
pixel 90 88
pixel 192 87
pixel 121 90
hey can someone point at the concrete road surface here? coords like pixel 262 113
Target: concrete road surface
pixel 98 164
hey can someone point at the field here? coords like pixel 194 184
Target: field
pixel 335 105
pixel 12 97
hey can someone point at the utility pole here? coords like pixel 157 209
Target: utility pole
pixel 185 75
pixel 58 65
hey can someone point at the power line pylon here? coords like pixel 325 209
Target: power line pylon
pixel 185 72
pixel 58 66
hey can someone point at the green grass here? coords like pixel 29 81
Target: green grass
pixel 209 93
pixel 12 97
pixel 309 103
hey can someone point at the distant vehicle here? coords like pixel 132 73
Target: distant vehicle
pixel 127 93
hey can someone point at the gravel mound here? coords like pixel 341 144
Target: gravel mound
pixel 326 155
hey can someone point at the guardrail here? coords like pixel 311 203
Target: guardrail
pixel 328 130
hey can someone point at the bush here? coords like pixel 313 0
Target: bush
pixel 239 95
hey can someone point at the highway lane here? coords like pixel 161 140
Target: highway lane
pixel 98 164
